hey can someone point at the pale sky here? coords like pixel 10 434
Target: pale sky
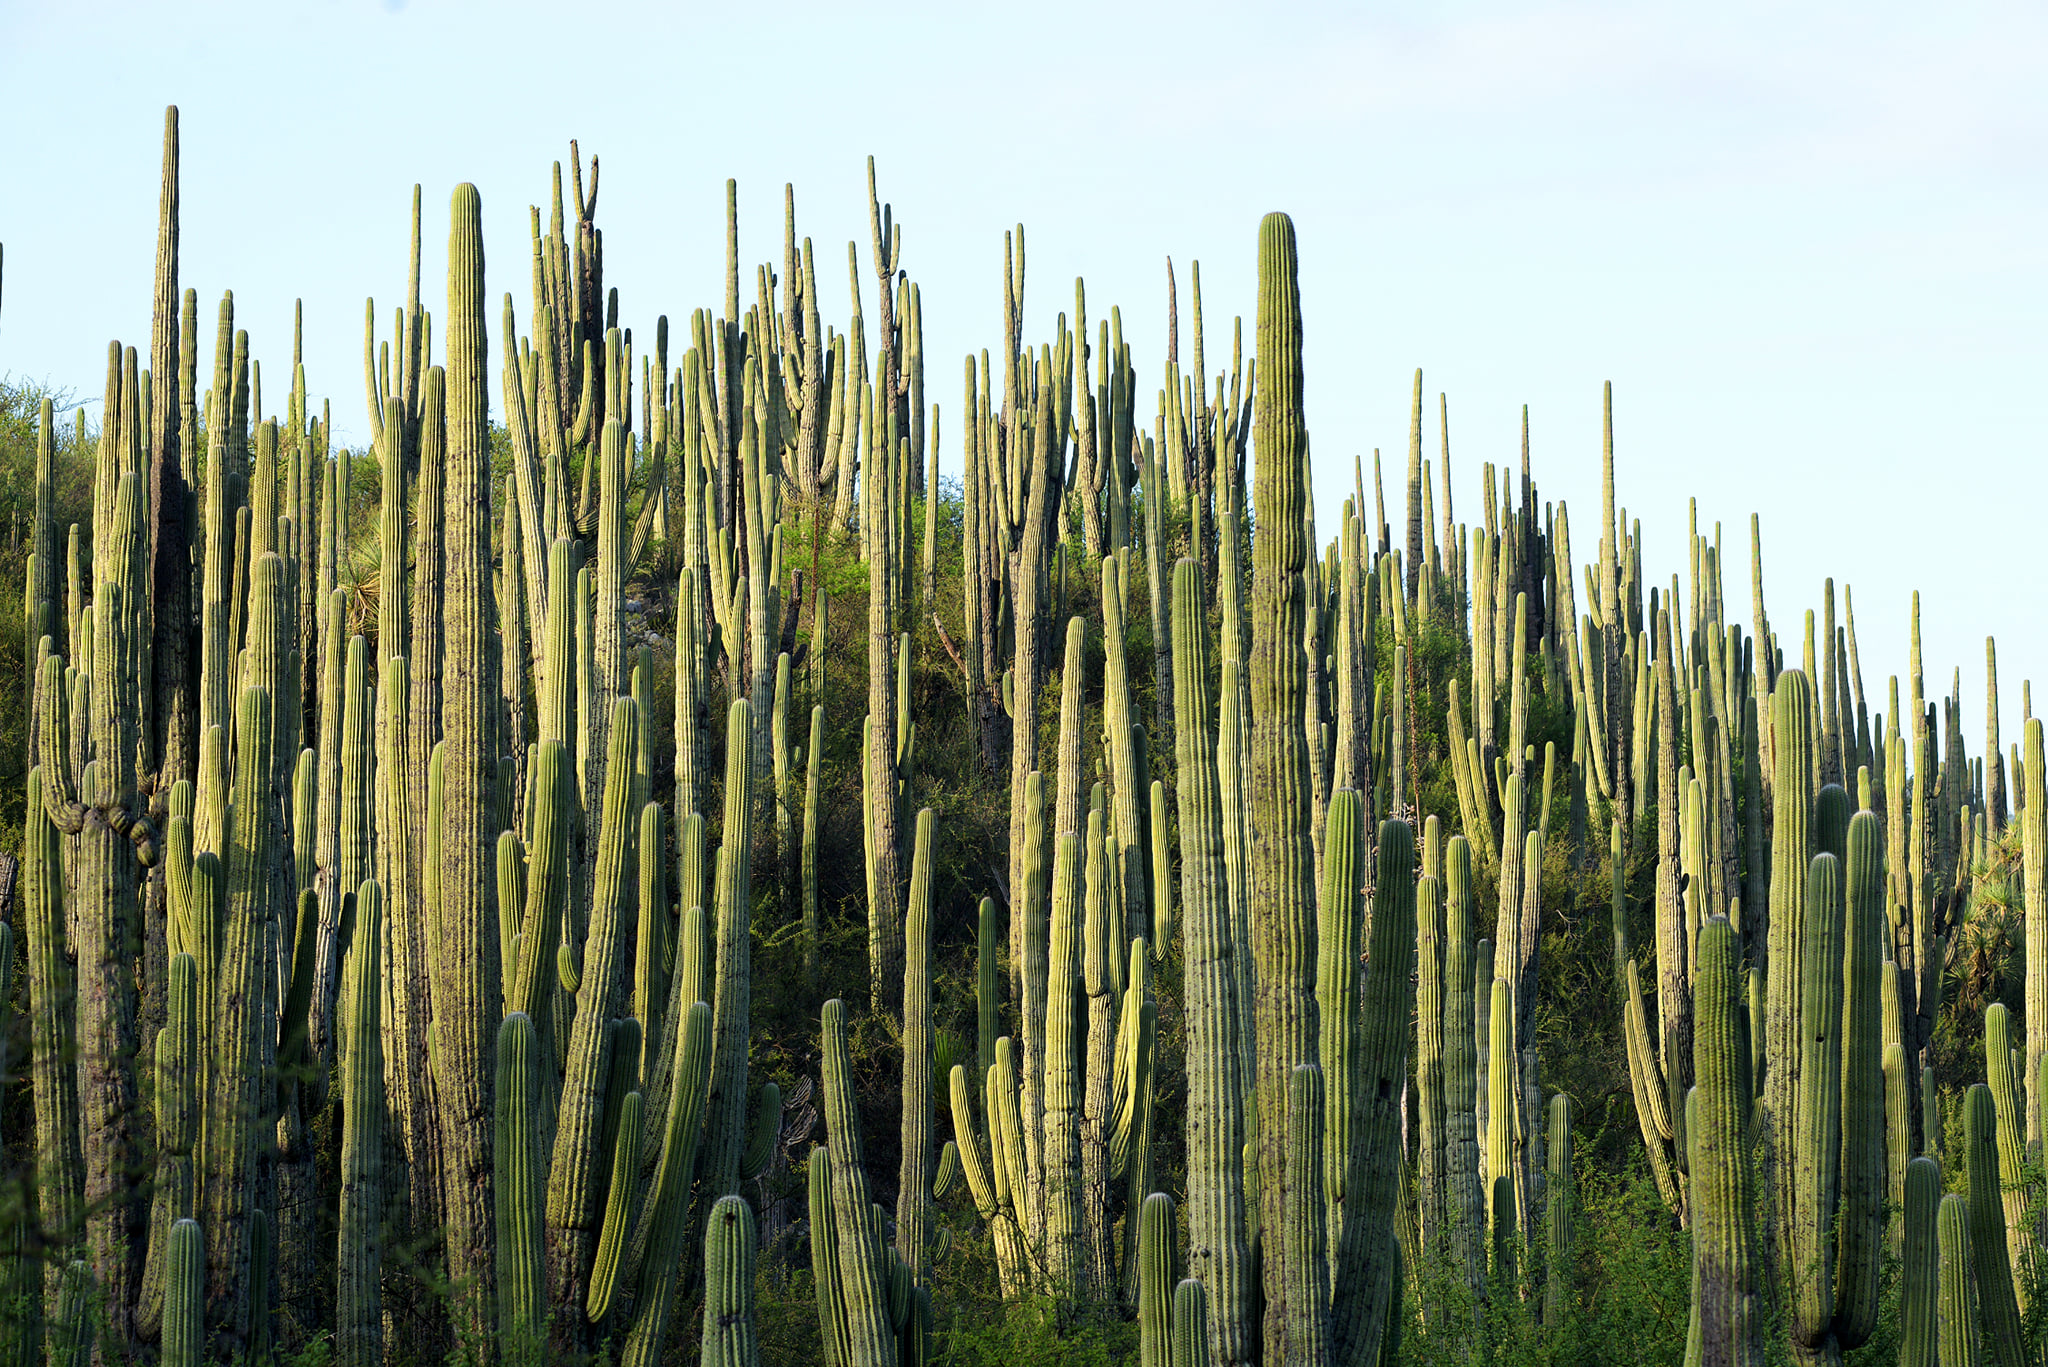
pixel 1805 243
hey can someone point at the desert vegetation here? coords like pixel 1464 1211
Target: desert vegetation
pixel 634 866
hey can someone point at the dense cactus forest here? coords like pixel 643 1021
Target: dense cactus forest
pixel 632 866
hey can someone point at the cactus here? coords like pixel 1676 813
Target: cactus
pixel 1725 1303
pixel 622 1194
pixel 1281 865
pixel 913 1210
pixel 1339 947
pixel 665 1212
pixel 60 1172
pixel 1364 1275
pixel 234 1105
pixel 1216 1086
pixel 1464 1209
pixel 359 1320
pixel 576 1177
pixel 1919 1266
pixel 469 970
pixel 520 1196
pixel 184 1296
pixel 725 1111
pixel 1959 1332
pixel 868 1339
pixel 1557 1186
pixel 1155 1280
pixel 1064 1039
pixel 729 1286
pixel 1993 1274
pixel 1999 1064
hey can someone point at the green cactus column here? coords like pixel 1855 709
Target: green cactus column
pixel 729 1244
pixel 1725 1306
pixel 577 1176
pixel 870 1341
pixel 2000 1059
pixel 665 1213
pixel 2034 855
pixel 467 993
pixel 60 1166
pixel 1919 1267
pixel 105 895
pixel 359 1316
pixel 1217 1252
pixel 1464 1198
pixel 520 1195
pixel 1365 1276
pixel 234 1105
pixel 1993 1278
pixel 1793 791
pixel 1281 866
pixel 913 1201
pixel 1959 1332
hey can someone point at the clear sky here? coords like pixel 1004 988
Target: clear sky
pixel 1805 243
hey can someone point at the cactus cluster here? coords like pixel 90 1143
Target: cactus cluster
pixel 372 901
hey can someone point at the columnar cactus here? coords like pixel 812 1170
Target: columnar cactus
pixel 1365 1277
pixel 869 1340
pixel 1992 1279
pixel 234 1103
pixel 1560 1213
pixel 1281 866
pixel 729 1245
pixel 359 1317
pixel 1464 1200
pixel 1725 1305
pixel 184 1295
pixel 1155 1280
pixel 520 1194
pixel 468 978
pixel 576 1178
pixel 2000 1061
pixel 913 1207
pixel 1217 1252
pixel 1919 1310
pixel 1959 1334
pixel 665 1212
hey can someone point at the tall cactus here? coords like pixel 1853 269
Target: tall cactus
pixel 1960 1332
pixel 234 1105
pixel 869 1341
pixel 60 1167
pixel 1725 1309
pixel 664 1215
pixel 1993 1279
pixel 359 1319
pixel 913 1201
pixel 577 1175
pixel 520 1194
pixel 1464 1199
pixel 1366 1275
pixel 1217 1252
pixel 1919 1267
pixel 467 992
pixel 1281 867
pixel 729 1246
